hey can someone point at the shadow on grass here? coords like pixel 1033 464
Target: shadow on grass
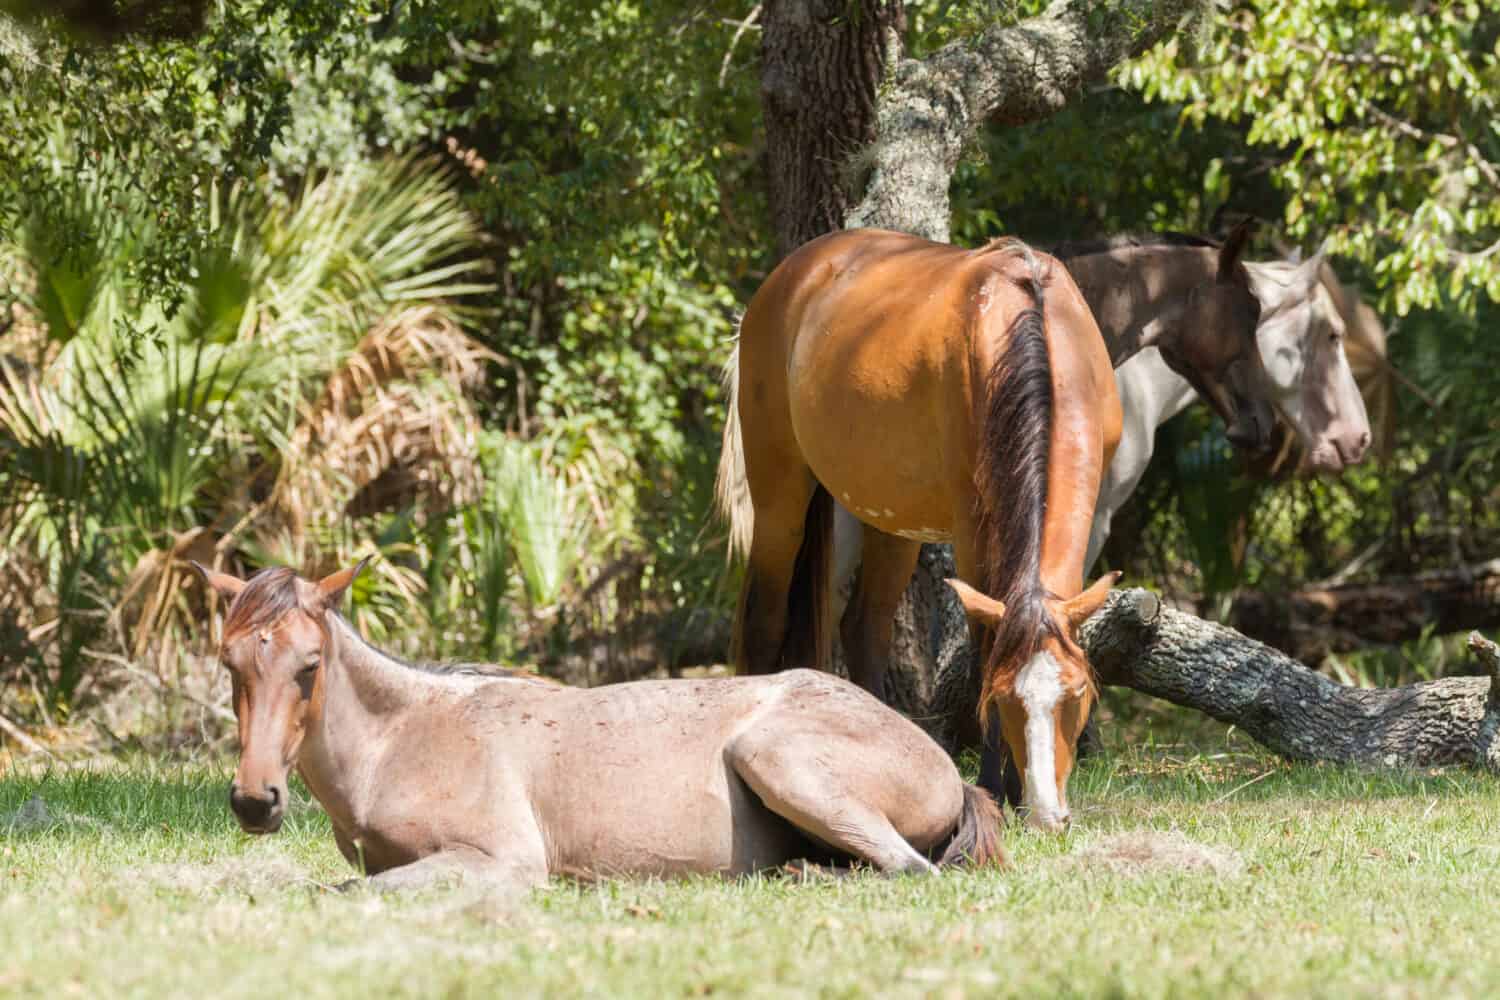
pixel 136 797
pixel 1244 772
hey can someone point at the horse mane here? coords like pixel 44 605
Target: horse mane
pixel 267 597
pixel 1011 481
pixel 1068 249
pixel 272 593
pixel 455 668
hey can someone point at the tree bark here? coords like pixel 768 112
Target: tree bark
pixel 1011 74
pixel 1136 642
pixel 821 63
pixel 1309 624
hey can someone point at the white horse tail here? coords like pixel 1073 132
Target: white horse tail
pixel 731 488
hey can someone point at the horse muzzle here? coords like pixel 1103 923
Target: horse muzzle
pixel 258 812
pixel 1338 451
pixel 1049 822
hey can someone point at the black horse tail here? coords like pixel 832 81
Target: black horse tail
pixel 975 840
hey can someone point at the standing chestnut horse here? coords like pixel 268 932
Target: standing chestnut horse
pixel 428 773
pixel 938 393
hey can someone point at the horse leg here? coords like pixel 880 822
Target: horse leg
pixel 998 773
pixel 462 865
pixel 781 509
pixel 866 629
pixel 783 769
pixel 848 546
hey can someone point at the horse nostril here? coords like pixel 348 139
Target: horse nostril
pixel 254 810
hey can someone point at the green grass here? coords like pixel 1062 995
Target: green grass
pixel 139 884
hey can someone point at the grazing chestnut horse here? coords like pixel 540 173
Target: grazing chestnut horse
pixel 430 772
pixel 937 393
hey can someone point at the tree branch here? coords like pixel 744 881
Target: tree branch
pixel 1012 74
pixel 1291 710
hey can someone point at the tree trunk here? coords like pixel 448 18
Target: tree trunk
pixel 1011 74
pixel 1309 624
pixel 821 63
pixel 1136 642
pixel 859 136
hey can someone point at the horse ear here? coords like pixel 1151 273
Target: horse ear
pixel 1085 604
pixel 226 586
pixel 1310 271
pixel 981 608
pixel 1234 248
pixel 1268 290
pixel 331 588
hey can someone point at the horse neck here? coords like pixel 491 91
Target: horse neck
pixel 364 692
pixel 1023 482
pixel 1075 468
pixel 1151 393
pixel 1154 279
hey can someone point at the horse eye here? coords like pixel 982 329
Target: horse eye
pixel 311 664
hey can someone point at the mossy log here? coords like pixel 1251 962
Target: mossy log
pixel 1136 642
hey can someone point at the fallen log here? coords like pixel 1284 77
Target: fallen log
pixel 1136 642
pixel 1310 623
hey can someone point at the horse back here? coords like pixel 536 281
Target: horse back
pixel 863 357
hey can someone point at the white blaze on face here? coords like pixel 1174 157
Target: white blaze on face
pixel 1039 686
pixel 1282 343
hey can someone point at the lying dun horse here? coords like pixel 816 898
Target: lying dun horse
pixel 429 773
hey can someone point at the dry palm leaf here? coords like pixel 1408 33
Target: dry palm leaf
pixel 393 426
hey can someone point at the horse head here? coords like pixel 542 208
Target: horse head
pixel 1302 336
pixel 1044 695
pixel 1209 339
pixel 273 646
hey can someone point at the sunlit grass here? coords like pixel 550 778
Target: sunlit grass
pixel 137 882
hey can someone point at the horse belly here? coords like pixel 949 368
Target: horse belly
pixel 638 782
pixel 671 821
pixel 876 445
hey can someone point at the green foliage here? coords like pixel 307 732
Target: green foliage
pixel 1379 117
pixel 273 81
pixel 622 225
pixel 175 194
pixel 127 429
pixel 629 227
pixel 533 504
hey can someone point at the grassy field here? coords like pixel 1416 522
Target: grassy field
pixel 1214 870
